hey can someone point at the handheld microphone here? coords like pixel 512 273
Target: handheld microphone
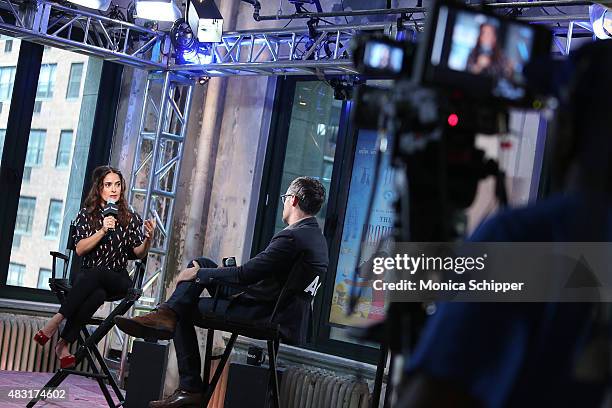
pixel 111 209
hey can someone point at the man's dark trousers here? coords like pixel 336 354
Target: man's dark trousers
pixel 184 302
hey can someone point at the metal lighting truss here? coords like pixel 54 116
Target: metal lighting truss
pixel 324 51
pixel 155 175
pixel 84 32
pixel 156 167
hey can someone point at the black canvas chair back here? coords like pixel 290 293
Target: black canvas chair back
pixel 296 299
pixel 87 343
pixel 298 292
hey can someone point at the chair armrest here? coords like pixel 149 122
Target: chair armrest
pixel 59 255
pixel 239 286
pixel 139 274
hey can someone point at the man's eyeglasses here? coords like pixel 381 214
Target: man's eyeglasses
pixel 284 197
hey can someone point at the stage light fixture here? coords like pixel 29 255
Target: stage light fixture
pixel 601 21
pixel 101 5
pixel 188 50
pixel 205 20
pixel 158 10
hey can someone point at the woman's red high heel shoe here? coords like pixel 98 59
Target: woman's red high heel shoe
pixel 41 338
pixel 68 362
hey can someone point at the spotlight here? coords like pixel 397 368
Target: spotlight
pixel 101 5
pixel 187 47
pixel 601 21
pixel 205 20
pixel 158 10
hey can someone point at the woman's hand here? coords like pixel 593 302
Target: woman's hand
pixel 108 223
pixel 149 229
pixel 188 274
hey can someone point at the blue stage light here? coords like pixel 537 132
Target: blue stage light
pixel 601 21
pixel 187 48
pixel 202 54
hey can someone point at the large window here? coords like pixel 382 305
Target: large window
pixel 46 81
pixel 7 78
pixel 64 148
pixel 16 273
pixel 25 215
pixel 51 186
pixel 36 148
pixel 74 81
pixel 311 143
pixel 54 219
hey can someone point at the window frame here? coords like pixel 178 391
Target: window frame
pixel 71 81
pixel 11 84
pixel 61 210
pixel 41 148
pixel 31 223
pixel 40 271
pixel 59 146
pixel 22 274
pixel 50 84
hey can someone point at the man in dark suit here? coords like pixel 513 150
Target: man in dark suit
pixel 301 241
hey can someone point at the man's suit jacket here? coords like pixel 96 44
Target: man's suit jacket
pixel 266 273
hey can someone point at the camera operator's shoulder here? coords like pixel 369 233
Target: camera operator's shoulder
pixel 532 223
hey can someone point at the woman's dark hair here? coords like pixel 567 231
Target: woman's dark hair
pixel 496 56
pixel 94 199
pixel 310 193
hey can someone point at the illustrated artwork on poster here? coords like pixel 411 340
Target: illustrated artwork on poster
pixel 371 305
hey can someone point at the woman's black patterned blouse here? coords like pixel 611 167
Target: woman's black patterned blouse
pixel 113 250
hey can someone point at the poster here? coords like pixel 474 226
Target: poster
pixel 357 231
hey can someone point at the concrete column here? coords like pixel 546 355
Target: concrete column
pixel 127 124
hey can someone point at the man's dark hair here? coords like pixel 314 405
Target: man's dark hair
pixel 310 193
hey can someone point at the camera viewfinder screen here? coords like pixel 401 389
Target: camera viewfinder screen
pixel 483 45
pixel 383 57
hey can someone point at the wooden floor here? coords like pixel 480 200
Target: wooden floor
pixel 82 392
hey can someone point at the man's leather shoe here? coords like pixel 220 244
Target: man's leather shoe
pixel 157 325
pixel 179 398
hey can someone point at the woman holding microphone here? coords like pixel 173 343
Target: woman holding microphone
pixel 104 243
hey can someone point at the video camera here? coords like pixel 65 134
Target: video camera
pixel 482 54
pixel 469 67
pixel 465 51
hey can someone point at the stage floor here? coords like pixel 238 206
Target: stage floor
pixel 81 392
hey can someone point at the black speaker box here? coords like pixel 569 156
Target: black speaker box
pixel 247 386
pixel 145 382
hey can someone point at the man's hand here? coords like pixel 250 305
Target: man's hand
pixel 188 274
